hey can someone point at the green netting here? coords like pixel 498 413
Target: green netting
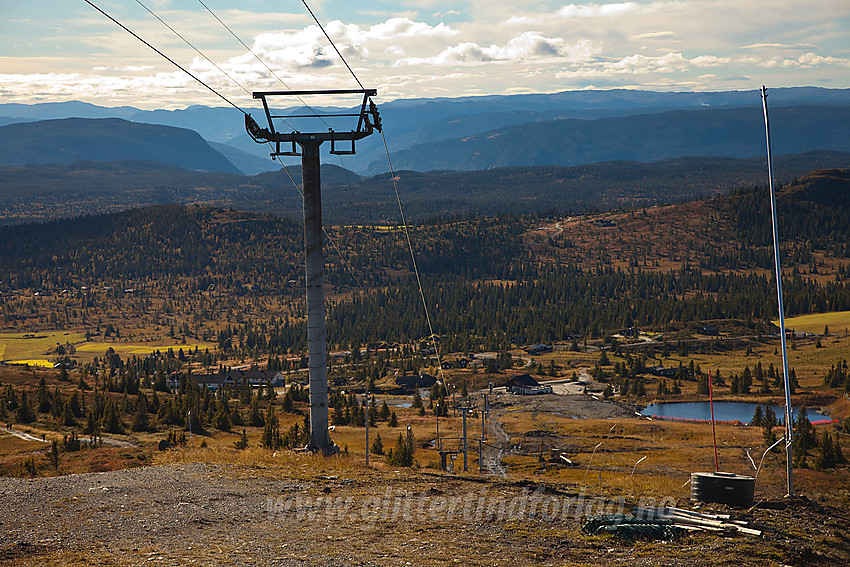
pixel 630 527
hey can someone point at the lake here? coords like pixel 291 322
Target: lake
pixel 723 411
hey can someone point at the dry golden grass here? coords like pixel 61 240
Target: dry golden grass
pixel 837 321
pixel 33 346
pixel 11 445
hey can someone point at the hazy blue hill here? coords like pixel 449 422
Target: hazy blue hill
pixel 68 140
pixel 419 121
pixel 69 109
pixel 4 120
pixel 219 124
pixel 248 164
pixel 729 132
pixel 54 191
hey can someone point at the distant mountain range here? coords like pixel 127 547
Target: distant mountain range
pixel 473 132
pixel 39 192
pixel 725 132
pixel 68 140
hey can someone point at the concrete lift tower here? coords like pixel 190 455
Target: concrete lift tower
pixel 368 120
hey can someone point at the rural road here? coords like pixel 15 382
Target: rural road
pixel 24 435
pixel 105 440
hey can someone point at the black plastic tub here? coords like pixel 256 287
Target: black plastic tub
pixel 725 488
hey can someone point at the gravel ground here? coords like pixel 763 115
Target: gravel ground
pixel 204 514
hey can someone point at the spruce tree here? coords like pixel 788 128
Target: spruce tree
pixel 43 394
pixel 111 422
pixel 377 445
pixel 826 458
pixel 221 419
pixel 758 416
pixel 25 413
pixel 255 418
pixel 271 431
pixel 242 444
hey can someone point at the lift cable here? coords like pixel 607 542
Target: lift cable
pixel 282 165
pixel 258 58
pixel 210 61
pixel 328 236
pixel 166 57
pixel 413 256
pixel 198 51
pixel 332 43
pixel 170 60
pixel 269 69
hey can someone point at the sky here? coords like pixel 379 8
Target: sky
pixel 60 50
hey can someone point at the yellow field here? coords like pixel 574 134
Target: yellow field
pixel 815 323
pixel 40 362
pixel 33 346
pixel 129 348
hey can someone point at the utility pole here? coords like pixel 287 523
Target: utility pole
pixel 309 144
pixel 465 411
pixel 789 479
pixel 366 401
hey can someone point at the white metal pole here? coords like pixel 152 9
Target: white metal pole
pixel 366 401
pixel 789 480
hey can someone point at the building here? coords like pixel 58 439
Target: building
pixel 538 349
pixel 414 381
pixel 254 378
pixel 662 371
pixel 524 384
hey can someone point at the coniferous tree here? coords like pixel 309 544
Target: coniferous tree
pixel 826 458
pixel 271 431
pixel 768 423
pixel 377 445
pixel 25 413
pixel 242 443
pixel 758 417
pixel 111 422
pixel 255 418
pixel 221 419
pixel 43 395
pixel 68 416
pixel 402 454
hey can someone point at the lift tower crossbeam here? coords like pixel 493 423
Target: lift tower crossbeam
pixel 368 120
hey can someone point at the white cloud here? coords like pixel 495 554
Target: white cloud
pixel 815 60
pixel 638 63
pixel 597 10
pixel 779 46
pixel 710 61
pixel 527 46
pixel 654 35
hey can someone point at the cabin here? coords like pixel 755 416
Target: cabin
pixel 257 378
pixel 254 378
pixel 415 381
pixel 662 371
pixel 526 385
pixel 538 349
pixel 709 330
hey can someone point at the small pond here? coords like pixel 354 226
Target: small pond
pixel 723 411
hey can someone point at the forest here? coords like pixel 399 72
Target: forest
pixel 236 278
pixel 48 192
